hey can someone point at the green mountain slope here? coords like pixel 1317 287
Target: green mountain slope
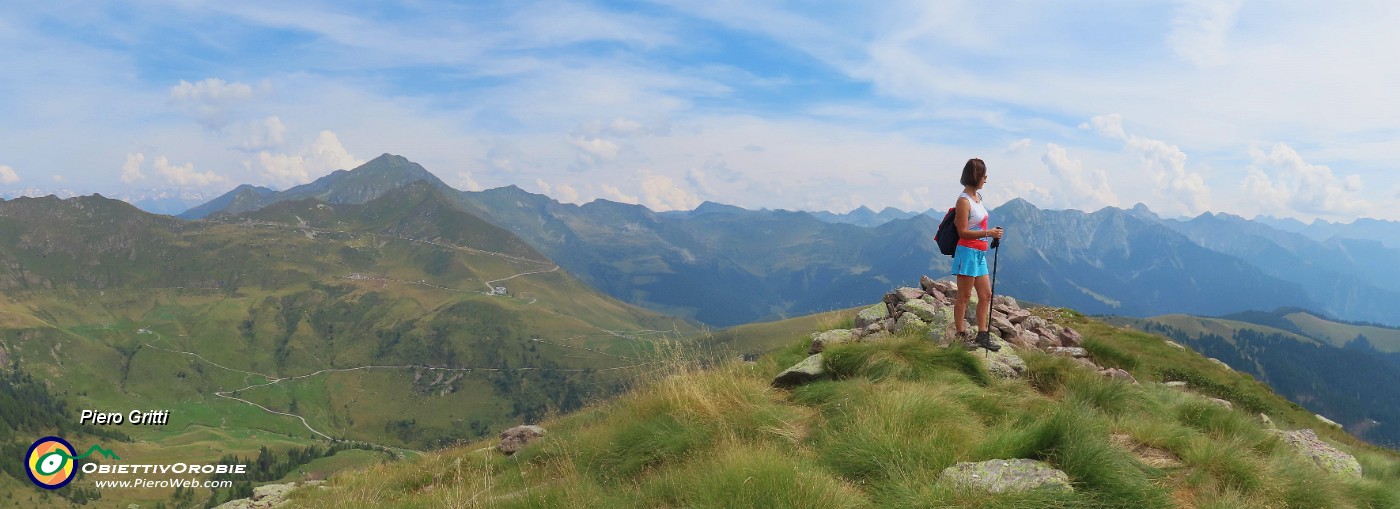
pixel 378 323
pixel 1305 359
pixel 881 432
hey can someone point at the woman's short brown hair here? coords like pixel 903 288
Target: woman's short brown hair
pixel 973 172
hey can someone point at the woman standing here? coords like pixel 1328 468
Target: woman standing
pixel 970 259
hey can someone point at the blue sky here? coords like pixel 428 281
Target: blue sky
pixel 1281 108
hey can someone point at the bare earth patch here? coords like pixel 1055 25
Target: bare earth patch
pixel 1150 456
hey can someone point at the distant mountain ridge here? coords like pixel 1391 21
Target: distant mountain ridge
pixel 726 265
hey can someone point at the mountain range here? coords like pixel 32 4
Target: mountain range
pixel 725 265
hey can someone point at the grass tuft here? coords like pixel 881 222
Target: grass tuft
pixel 901 359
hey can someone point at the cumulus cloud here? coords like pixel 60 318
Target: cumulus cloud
pixel 131 170
pixel 185 175
pixel 211 101
pixel 562 192
pixel 1019 145
pixel 1283 183
pixel 916 199
pixel 1085 187
pixel 1031 192
pixel 1166 163
pixel 267 133
pixel 8 175
pixel 617 195
pixel 323 156
pixel 660 193
pixel 465 180
pixel 595 149
pixel 1199 30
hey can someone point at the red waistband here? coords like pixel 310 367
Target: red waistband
pixel 980 245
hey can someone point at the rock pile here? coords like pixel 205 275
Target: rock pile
pixel 929 309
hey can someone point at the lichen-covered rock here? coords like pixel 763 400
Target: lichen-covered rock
pixel 1068 351
pixel 1035 322
pixel 919 308
pixel 909 322
pixel 877 336
pixel 1044 340
pixel 517 438
pixel 1118 374
pixel 1006 476
pixel 1222 402
pixel 928 284
pixel 1003 363
pixel 888 324
pixel 873 328
pixel 1220 363
pixel 1088 364
pixel 1327 421
pixel 1176 385
pixel 808 370
pixel 1322 453
pixel 873 314
pixel 1174 344
pixel 821 340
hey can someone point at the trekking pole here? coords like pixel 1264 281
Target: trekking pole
pixel 996 247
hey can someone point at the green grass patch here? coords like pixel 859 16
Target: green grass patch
pixel 1109 356
pixel 901 359
pixel 748 476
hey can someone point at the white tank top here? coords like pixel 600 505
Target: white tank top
pixel 977 214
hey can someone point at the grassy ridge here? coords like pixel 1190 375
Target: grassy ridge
pixel 879 435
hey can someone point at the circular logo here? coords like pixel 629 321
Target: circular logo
pixel 50 462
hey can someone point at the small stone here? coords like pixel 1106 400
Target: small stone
pixel 1018 316
pixel 821 340
pixel 1007 476
pixel 1220 363
pixel 1075 352
pixel 514 439
pixel 1119 374
pixel 1176 384
pixel 1322 453
pixel 907 294
pixel 1174 344
pixel 1222 402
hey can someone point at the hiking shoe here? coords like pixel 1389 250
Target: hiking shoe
pixel 984 340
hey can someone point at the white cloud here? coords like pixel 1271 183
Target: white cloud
pixel 185 176
pixel 210 101
pixel 1284 184
pixel 58 178
pixel 1083 187
pixel 1019 145
pixel 8 175
pixel 131 170
pixel 266 134
pixel 595 149
pixel 544 187
pixel 916 199
pixel 660 193
pixel 323 156
pixel 1028 191
pixel 617 195
pixel 465 180
pixel 567 194
pixel 1186 190
pixel 1199 30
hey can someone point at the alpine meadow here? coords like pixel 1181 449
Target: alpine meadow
pixel 667 254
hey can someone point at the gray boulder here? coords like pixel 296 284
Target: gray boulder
pixel 923 310
pixel 1005 301
pixel 1006 476
pixel 909 322
pixel 1118 374
pixel 1075 352
pixel 1004 326
pixel 1220 363
pixel 1035 322
pixel 1322 453
pixel 873 314
pixel 809 370
pixel 517 438
pixel 1003 363
pixel 1018 316
pixel 821 340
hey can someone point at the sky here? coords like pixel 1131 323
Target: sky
pixel 1285 108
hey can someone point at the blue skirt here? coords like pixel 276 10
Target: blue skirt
pixel 969 262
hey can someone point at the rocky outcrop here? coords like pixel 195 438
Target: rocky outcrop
pixel 1005 476
pixel 928 308
pixel 517 438
pixel 809 370
pixel 267 496
pixel 1322 453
